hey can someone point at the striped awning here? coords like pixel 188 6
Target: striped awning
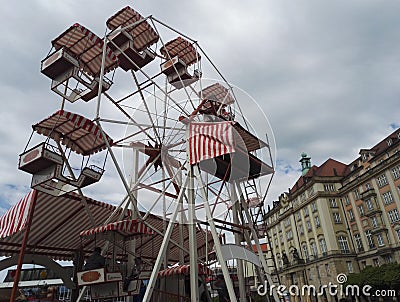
pixel 210 140
pixel 58 221
pixel 218 93
pixel 182 48
pixel 184 270
pixel 88 49
pixel 126 228
pixel 74 131
pixel 143 34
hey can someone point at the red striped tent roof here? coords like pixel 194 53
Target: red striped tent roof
pixel 143 34
pixel 218 93
pixel 182 48
pixel 74 131
pixel 184 270
pixel 59 220
pixel 126 228
pixel 87 47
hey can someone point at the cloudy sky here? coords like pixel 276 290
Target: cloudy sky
pixel 326 73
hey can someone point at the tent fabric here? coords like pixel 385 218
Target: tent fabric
pixel 74 131
pixel 184 270
pixel 126 228
pixel 58 221
pixel 182 48
pixel 143 34
pixel 88 48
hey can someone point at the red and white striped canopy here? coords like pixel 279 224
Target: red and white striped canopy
pixel 210 140
pixel 88 49
pixel 182 48
pixel 126 228
pixel 59 220
pixel 74 131
pixel 218 93
pixel 143 34
pixel 184 270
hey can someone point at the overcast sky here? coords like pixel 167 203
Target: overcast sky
pixel 326 73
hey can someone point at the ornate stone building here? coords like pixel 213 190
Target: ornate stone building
pixel 338 218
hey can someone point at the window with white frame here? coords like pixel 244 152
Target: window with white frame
pixel 317 222
pixel 314 206
pixel 349 265
pixel 343 245
pixel 367 186
pixel 374 222
pixel 336 217
pixel 287 222
pixel 356 194
pixel 309 227
pixel 322 245
pixel 314 250
pixel 305 209
pixel 289 235
pixel 346 200
pixel 298 215
pixel 301 229
pixel 305 251
pixel 351 215
pixel 379 239
pixel 369 205
pixel 396 172
pixel 393 216
pixel 311 191
pixel 359 244
pixel 370 239
pixel 333 203
pixel 329 187
pixel 361 210
pixel 303 196
pixel 382 181
pixel 387 197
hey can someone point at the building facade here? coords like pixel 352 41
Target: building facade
pixel 338 218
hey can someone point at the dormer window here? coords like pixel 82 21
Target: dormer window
pixel 389 142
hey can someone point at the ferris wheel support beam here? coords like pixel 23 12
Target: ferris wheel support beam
pixel 256 241
pixel 217 243
pixel 164 245
pixel 103 62
pixel 194 289
pixel 240 269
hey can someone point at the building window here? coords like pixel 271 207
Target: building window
pixel 380 240
pixel 337 218
pixel 314 206
pixel 298 215
pixel 328 269
pixel 289 235
pixel 276 241
pixel 356 194
pixel 317 222
pixel 396 172
pixel 333 203
pixel 322 245
pixel 305 209
pixel 311 191
pixel 374 222
pixel 309 227
pixel 281 238
pixel 303 197
pixel 369 204
pixel 359 243
pixel 343 245
pixel 295 202
pixel 351 214
pixel 387 197
pixel 398 234
pixel 349 265
pixel 305 252
pixel 367 186
pixel 361 210
pixel 329 187
pixel 346 200
pixel 382 181
pixel 314 249
pixel 370 240
pixel 389 142
pixel 376 261
pixel 394 216
pixel 287 222
pixel 387 258
pixel 301 229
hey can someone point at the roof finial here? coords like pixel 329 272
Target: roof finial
pixel 305 163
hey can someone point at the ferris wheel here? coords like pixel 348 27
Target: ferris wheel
pixel 190 155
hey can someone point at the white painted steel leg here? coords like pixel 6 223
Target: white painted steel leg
pixel 257 243
pixel 217 243
pixel 240 270
pixel 164 245
pixel 194 288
